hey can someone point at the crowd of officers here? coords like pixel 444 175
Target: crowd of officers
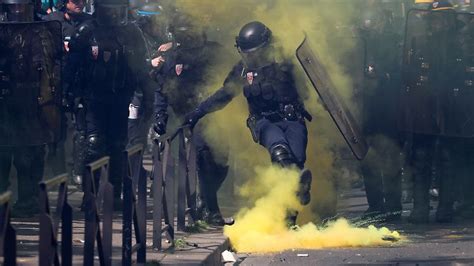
pixel 112 68
pixel 122 68
pixel 416 110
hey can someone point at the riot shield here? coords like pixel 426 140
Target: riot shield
pixel 437 71
pixel 30 83
pixel 325 88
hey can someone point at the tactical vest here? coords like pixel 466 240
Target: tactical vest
pixel 107 71
pixel 271 92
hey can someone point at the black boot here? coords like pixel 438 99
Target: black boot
pixel 445 210
pixel 304 189
pixel 291 217
pixel 421 186
pixel 393 197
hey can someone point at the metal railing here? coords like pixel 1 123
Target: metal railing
pixel 98 206
pixel 134 206
pixel 187 178
pixel 7 232
pixel 50 222
pixel 163 195
pixel 98 192
pixel 164 179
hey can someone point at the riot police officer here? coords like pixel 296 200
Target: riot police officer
pixel 30 98
pixel 277 114
pixel 435 106
pixel 181 76
pixel 382 76
pixel 113 64
pixel 150 19
pixel 71 16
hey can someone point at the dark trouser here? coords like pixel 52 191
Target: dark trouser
pixel 423 150
pixel 211 173
pixel 139 124
pixel 79 142
pixel 56 157
pixel 106 130
pixel 381 172
pixel 293 134
pixel 29 164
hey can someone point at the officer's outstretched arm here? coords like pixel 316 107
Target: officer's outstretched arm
pixel 216 101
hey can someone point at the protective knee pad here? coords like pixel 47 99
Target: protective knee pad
pixel 95 147
pixel 282 155
pixel 421 161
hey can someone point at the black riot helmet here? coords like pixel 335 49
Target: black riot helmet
pixel 185 32
pixel 373 20
pixel 17 10
pixel 113 13
pixel 252 36
pixel 254 45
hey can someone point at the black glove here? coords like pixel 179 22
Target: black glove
pixel 159 128
pixel 191 118
pixel 160 124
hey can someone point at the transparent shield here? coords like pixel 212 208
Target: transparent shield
pixel 31 94
pixel 436 95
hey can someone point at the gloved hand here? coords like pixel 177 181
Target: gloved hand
pixel 160 124
pixel 192 118
pixel 159 128
pixel 71 104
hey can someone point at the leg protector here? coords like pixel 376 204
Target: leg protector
pixel 117 167
pixel 79 155
pixel 95 147
pixel 421 185
pixel 282 155
pixel 211 176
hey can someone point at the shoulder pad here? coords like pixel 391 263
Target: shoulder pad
pixel 286 66
pixel 56 15
pixel 86 26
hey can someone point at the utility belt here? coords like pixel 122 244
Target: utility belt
pixel 286 112
pixel 6 90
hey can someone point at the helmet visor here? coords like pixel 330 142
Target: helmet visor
pixel 19 12
pixel 112 15
pixel 258 58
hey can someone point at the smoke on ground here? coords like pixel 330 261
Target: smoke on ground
pixel 263 227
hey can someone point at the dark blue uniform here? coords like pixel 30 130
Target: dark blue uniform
pixel 180 78
pixel 71 61
pixel 382 178
pixel 113 66
pixel 142 105
pixel 277 114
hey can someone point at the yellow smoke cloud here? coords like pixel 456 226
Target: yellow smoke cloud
pixel 263 228
pixel 288 20
pixel 268 191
